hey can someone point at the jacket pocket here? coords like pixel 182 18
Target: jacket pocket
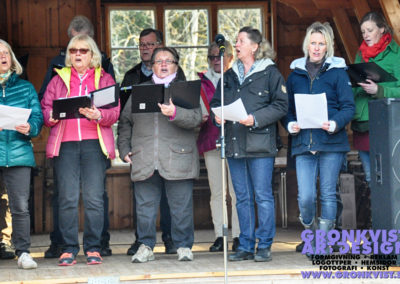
pixel 137 160
pixel 180 158
pixel 260 141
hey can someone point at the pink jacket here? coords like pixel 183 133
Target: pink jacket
pixel 59 87
pixel 209 133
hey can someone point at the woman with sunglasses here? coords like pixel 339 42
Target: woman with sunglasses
pixel 161 147
pixel 206 143
pixel 80 148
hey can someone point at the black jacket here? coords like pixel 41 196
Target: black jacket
pixel 263 93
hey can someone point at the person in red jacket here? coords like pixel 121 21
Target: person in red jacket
pixel 206 143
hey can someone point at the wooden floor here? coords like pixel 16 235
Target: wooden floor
pixel 206 268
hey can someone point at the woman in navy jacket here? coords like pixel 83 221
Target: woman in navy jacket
pixel 319 151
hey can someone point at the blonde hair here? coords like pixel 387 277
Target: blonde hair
pixel 15 65
pixel 326 30
pixel 264 49
pixel 95 62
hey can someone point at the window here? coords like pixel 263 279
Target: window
pixel 125 27
pixel 188 28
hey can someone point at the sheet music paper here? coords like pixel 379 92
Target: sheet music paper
pixel 311 110
pixel 234 111
pixel 13 116
pixel 104 97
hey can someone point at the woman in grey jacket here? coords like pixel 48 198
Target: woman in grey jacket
pixel 161 148
pixel 251 142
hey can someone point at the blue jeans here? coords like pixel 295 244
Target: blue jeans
pixel 366 163
pixel 252 180
pixel 308 166
pixel 81 163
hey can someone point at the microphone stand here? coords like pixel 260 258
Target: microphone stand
pixel 223 164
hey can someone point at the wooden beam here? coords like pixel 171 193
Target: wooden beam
pixel 329 4
pixel 98 25
pixel 304 8
pixel 346 32
pixel 361 8
pixel 9 22
pixel 391 9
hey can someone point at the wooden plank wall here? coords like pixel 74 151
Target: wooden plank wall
pixel 40 29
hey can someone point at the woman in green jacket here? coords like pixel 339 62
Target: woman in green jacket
pixel 378 46
pixel 16 153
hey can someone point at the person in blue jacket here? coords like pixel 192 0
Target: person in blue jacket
pixel 16 153
pixel 319 151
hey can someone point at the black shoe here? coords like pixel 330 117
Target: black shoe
pixel 218 245
pixel 263 255
pixel 6 251
pixel 54 251
pixel 134 247
pixel 169 246
pixel 235 244
pixel 241 255
pixel 299 247
pixel 105 250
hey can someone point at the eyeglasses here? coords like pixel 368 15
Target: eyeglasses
pixel 213 57
pixel 167 62
pixel 81 50
pixel 148 44
pixel 5 52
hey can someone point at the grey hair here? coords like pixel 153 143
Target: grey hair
pixel 326 30
pixel 96 55
pixel 264 49
pixel 82 25
pixel 15 65
pixel 171 50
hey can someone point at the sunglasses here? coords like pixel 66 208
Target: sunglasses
pixel 213 57
pixel 81 50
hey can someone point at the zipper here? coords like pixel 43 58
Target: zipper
pixel 4 91
pixel 80 94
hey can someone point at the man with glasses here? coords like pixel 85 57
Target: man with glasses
pixel 78 25
pixel 149 40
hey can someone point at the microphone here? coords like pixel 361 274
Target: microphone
pixel 220 41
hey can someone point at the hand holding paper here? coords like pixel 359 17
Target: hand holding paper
pixel 234 111
pixel 311 110
pixel 10 117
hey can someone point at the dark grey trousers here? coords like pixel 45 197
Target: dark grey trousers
pixel 180 200
pixel 17 181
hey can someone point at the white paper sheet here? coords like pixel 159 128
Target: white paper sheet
pixel 13 116
pixel 311 110
pixel 234 111
pixel 104 97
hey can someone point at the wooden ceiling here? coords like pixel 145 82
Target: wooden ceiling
pixel 341 11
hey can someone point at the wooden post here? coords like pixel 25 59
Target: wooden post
pixel 391 10
pixel 346 32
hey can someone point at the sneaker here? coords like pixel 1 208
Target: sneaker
pixel 299 247
pixel 263 254
pixel 54 251
pixel 241 255
pixel 218 245
pixel 25 261
pixel 144 254
pixel 93 257
pixel 105 250
pixel 169 246
pixel 134 248
pixel 6 251
pixel 185 254
pixel 235 244
pixel 66 259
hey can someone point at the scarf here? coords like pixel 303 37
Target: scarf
pixel 165 80
pixel 4 77
pixel 313 67
pixel 213 76
pixel 371 51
